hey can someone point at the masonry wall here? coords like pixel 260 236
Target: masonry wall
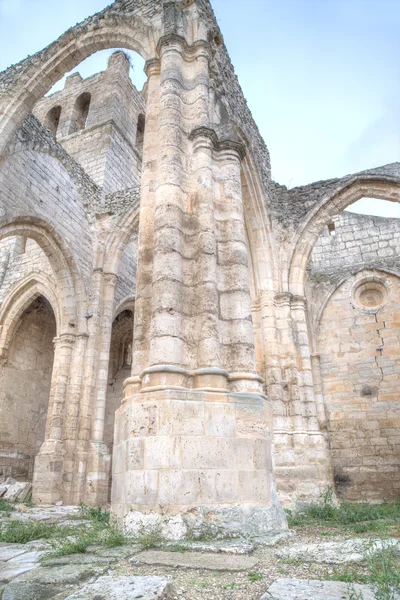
pixel 25 381
pixel 354 305
pixel 20 257
pixel 38 186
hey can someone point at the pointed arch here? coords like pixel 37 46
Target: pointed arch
pixel 382 188
pixel 19 298
pixel 70 287
pixel 36 75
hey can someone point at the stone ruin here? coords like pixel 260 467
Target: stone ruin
pixel 179 334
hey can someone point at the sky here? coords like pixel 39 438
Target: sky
pixel 321 77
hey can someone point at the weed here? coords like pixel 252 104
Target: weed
pixel 229 586
pixel 384 572
pixel 149 537
pixel 253 576
pixel 6 506
pixel 347 513
pixel 95 514
pixel 176 547
pixel 22 532
pixel 354 594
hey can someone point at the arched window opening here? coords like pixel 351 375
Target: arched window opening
pixel 53 119
pixel 140 133
pixel 80 113
pixel 26 375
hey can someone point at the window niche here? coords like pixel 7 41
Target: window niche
pixel 80 113
pixel 53 119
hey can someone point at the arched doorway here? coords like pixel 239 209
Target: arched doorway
pixel 25 389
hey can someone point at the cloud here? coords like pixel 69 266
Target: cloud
pixel 10 8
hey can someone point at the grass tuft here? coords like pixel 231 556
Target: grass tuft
pixel 6 506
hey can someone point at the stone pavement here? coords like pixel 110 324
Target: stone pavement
pixel 298 589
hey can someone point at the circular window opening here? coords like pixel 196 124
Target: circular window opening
pixel 370 295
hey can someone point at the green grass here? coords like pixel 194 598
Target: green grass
pixel 360 517
pixel 66 539
pixel 149 537
pixel 253 576
pixel 101 532
pixel 22 532
pixel 6 506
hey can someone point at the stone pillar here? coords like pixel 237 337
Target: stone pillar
pixel 48 471
pixel 318 391
pixel 302 456
pixel 144 275
pixel 192 443
pixel 71 487
pixel 99 459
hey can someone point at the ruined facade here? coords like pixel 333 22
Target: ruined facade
pixel 177 331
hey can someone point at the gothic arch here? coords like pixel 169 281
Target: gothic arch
pixel 69 286
pixel 383 188
pixel 120 237
pixel 314 325
pixel 36 75
pixel 19 298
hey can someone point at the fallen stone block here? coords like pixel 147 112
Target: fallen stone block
pixel 217 547
pixel 195 560
pixel 299 589
pixel 16 590
pixel 9 551
pixel 3 489
pixel 64 575
pixel 128 588
pixel 9 571
pixel 349 551
pixel 18 492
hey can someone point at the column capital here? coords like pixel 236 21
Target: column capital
pixel 152 67
pixel 222 146
pixel 172 40
pixel 111 278
pixel 65 339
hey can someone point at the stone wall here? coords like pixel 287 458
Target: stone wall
pixel 25 379
pixel 352 281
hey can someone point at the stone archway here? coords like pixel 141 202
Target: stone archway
pixel 26 388
pixel 36 75
pixel 361 186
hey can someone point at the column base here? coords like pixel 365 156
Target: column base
pixel 98 474
pixel 189 461
pixel 47 474
pixel 206 522
pixel 303 470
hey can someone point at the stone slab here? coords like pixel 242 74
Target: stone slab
pixel 126 588
pixel 10 571
pixel 195 560
pixel 17 590
pixel 10 551
pixel 349 551
pixel 18 492
pixel 27 557
pixel 64 574
pixel 308 589
pixel 217 547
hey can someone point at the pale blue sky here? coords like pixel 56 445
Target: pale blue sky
pixel 322 77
